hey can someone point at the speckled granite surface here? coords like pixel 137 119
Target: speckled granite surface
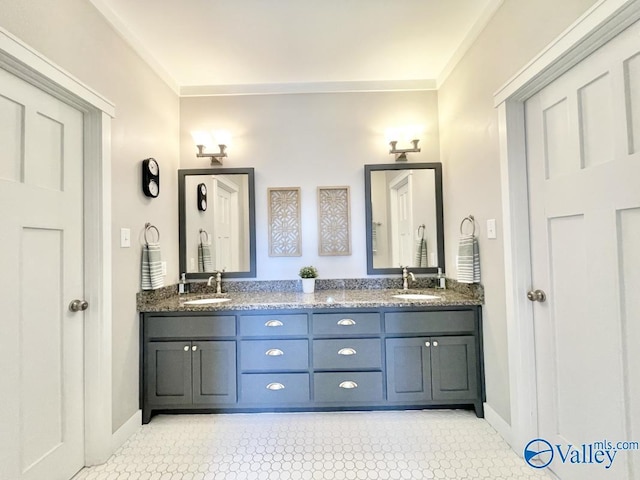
pixel 169 301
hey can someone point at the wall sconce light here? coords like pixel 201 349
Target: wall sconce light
pixel 203 140
pixel 406 134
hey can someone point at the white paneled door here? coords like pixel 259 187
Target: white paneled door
pixel 583 149
pixel 41 265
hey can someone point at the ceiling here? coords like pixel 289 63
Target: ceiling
pixel 262 46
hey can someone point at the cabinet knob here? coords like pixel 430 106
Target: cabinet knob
pixel 347 351
pixel 349 384
pixel 186 348
pixel 427 344
pixel 194 348
pixel 346 322
pixel 275 386
pixel 273 323
pixel 274 352
pixel 435 344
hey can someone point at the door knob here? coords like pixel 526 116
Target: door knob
pixel 78 305
pixel 536 295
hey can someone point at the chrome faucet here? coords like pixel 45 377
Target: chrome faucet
pixel 405 278
pixel 217 279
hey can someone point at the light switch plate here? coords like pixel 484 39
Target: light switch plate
pixel 125 237
pixel 164 268
pixel 491 228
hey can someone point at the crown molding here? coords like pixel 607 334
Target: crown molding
pixel 469 39
pixel 130 39
pixel 308 87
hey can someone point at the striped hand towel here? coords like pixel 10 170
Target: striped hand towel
pixel 205 264
pixel 152 277
pixel 468 259
pixel 421 253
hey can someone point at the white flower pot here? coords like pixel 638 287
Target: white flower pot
pixel 308 285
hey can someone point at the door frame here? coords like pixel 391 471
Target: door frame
pixel 598 25
pixel 27 64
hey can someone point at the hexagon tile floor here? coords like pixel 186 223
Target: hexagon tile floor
pixel 414 445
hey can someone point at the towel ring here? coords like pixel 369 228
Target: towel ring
pixel 473 224
pixel 147 227
pixel 423 229
pixel 206 235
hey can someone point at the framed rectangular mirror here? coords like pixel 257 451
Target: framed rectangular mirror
pixel 217 222
pixel 404 219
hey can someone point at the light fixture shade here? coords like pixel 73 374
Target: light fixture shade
pixel 222 137
pixel 202 137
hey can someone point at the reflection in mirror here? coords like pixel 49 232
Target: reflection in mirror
pixel 404 217
pixel 217 222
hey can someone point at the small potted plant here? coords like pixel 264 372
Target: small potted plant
pixel 308 276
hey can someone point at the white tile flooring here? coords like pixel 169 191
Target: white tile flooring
pixel 436 444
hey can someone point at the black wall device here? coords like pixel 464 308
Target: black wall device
pixel 150 177
pixel 202 197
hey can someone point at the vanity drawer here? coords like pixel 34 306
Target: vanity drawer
pixel 273 325
pixel 274 388
pixel 347 354
pixel 270 355
pixel 348 387
pixel 191 327
pixel 346 323
pixel 453 321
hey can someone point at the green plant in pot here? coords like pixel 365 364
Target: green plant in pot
pixel 308 276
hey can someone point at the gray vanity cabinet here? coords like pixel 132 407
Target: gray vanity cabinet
pixel 187 363
pixel 431 368
pixel 312 359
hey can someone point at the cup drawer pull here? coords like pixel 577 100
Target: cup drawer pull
pixel 346 322
pixel 274 323
pixel 275 386
pixel 347 351
pixel 349 384
pixel 274 352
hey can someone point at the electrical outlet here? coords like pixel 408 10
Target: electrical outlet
pixel 164 268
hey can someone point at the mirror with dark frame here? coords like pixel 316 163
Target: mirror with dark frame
pixel 404 219
pixel 217 222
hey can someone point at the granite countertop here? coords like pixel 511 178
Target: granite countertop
pixel 172 302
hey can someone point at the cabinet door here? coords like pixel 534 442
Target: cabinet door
pixel 214 372
pixel 454 365
pixel 408 369
pixel 168 376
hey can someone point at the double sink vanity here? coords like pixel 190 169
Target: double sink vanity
pixel 352 345
pixel 331 350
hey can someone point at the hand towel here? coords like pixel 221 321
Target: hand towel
pixel 205 264
pixel 468 259
pixel 421 253
pixel 152 277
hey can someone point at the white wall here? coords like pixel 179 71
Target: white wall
pixel 470 156
pixel 76 37
pixel 309 140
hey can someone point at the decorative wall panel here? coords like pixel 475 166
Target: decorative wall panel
pixel 284 222
pixel 334 222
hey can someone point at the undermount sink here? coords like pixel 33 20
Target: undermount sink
pixel 206 301
pixel 416 296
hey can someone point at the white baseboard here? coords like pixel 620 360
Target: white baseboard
pixel 129 427
pixel 499 424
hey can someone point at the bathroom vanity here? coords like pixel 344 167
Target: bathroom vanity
pixel 290 352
